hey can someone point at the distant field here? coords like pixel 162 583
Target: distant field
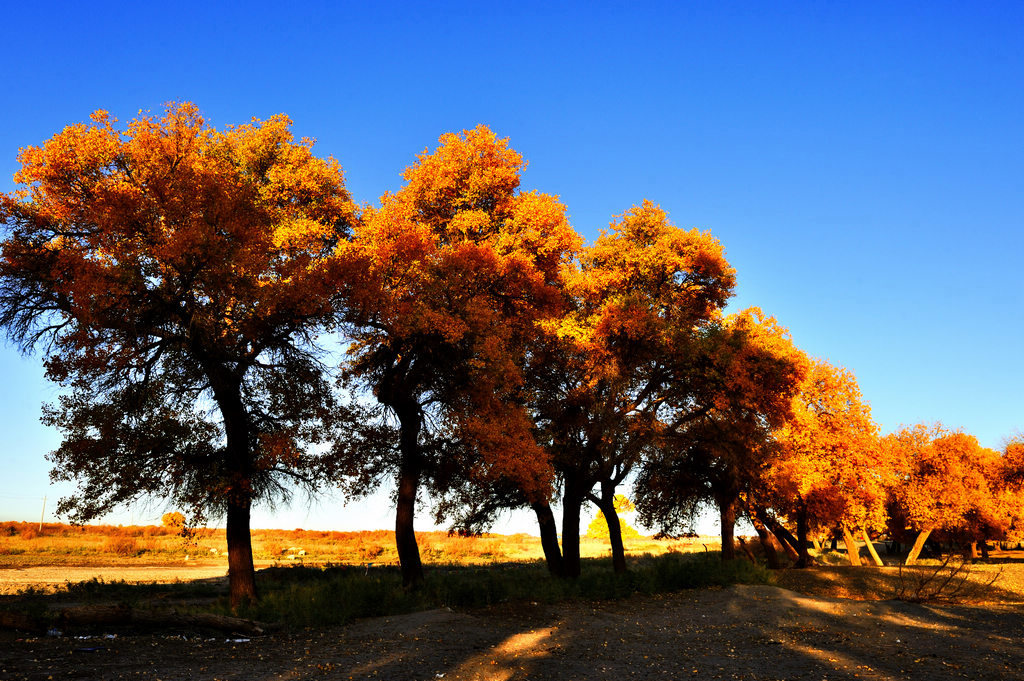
pixel 59 553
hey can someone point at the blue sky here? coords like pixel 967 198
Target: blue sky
pixel 861 163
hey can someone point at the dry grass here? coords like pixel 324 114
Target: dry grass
pixel 23 545
pixel 1001 582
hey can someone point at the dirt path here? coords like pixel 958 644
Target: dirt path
pixel 755 633
pixel 13 580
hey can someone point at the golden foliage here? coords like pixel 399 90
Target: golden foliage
pixel 830 465
pixel 947 482
pixel 461 267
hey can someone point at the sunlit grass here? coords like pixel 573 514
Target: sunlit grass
pixel 23 544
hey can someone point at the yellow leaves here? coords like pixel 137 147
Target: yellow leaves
pixel 539 224
pixel 300 234
pixel 469 225
pixel 472 170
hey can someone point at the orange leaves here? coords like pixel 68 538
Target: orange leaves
pixel 539 228
pixel 175 257
pixel 644 251
pixel 167 194
pixel 642 283
pixel 461 267
pixel 458 231
pixel 830 462
pixel 946 477
pixel 470 171
pixel 760 366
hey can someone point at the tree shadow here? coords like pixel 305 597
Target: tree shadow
pixel 743 632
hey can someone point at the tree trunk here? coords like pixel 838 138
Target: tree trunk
pixel 238 466
pixel 871 547
pixel 572 501
pixel 915 550
pixel 241 571
pixel 972 550
pixel 805 559
pixel 767 543
pixel 549 538
pixel 851 547
pixel 984 550
pixel 746 550
pixel 727 515
pixel 611 517
pixel 408 486
pixel 784 536
pixel 405 533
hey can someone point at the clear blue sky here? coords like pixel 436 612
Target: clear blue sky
pixel 862 163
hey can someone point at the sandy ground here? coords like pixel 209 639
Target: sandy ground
pixel 13 580
pixel 756 633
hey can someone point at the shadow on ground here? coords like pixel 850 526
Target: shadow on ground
pixel 760 633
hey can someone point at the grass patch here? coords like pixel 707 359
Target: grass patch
pixel 309 597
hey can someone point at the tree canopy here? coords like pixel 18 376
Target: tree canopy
pixel 637 299
pixel 461 267
pixel 829 472
pixel 173 275
pixel 736 386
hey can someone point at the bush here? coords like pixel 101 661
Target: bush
pixel 121 545
pixel 950 582
pixel 29 532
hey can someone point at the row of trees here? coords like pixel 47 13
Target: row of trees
pixel 187 286
pixel 827 473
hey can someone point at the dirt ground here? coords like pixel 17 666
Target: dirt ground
pixel 15 579
pixel 760 633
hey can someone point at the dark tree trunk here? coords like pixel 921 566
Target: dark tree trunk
pixel 572 501
pixel 241 571
pixel 405 533
pixel 238 465
pixel 805 559
pixel 409 472
pixel 784 536
pixel 611 516
pixel 915 550
pixel 727 515
pixel 549 538
pixel 767 542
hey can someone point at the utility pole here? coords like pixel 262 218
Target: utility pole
pixel 43 514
